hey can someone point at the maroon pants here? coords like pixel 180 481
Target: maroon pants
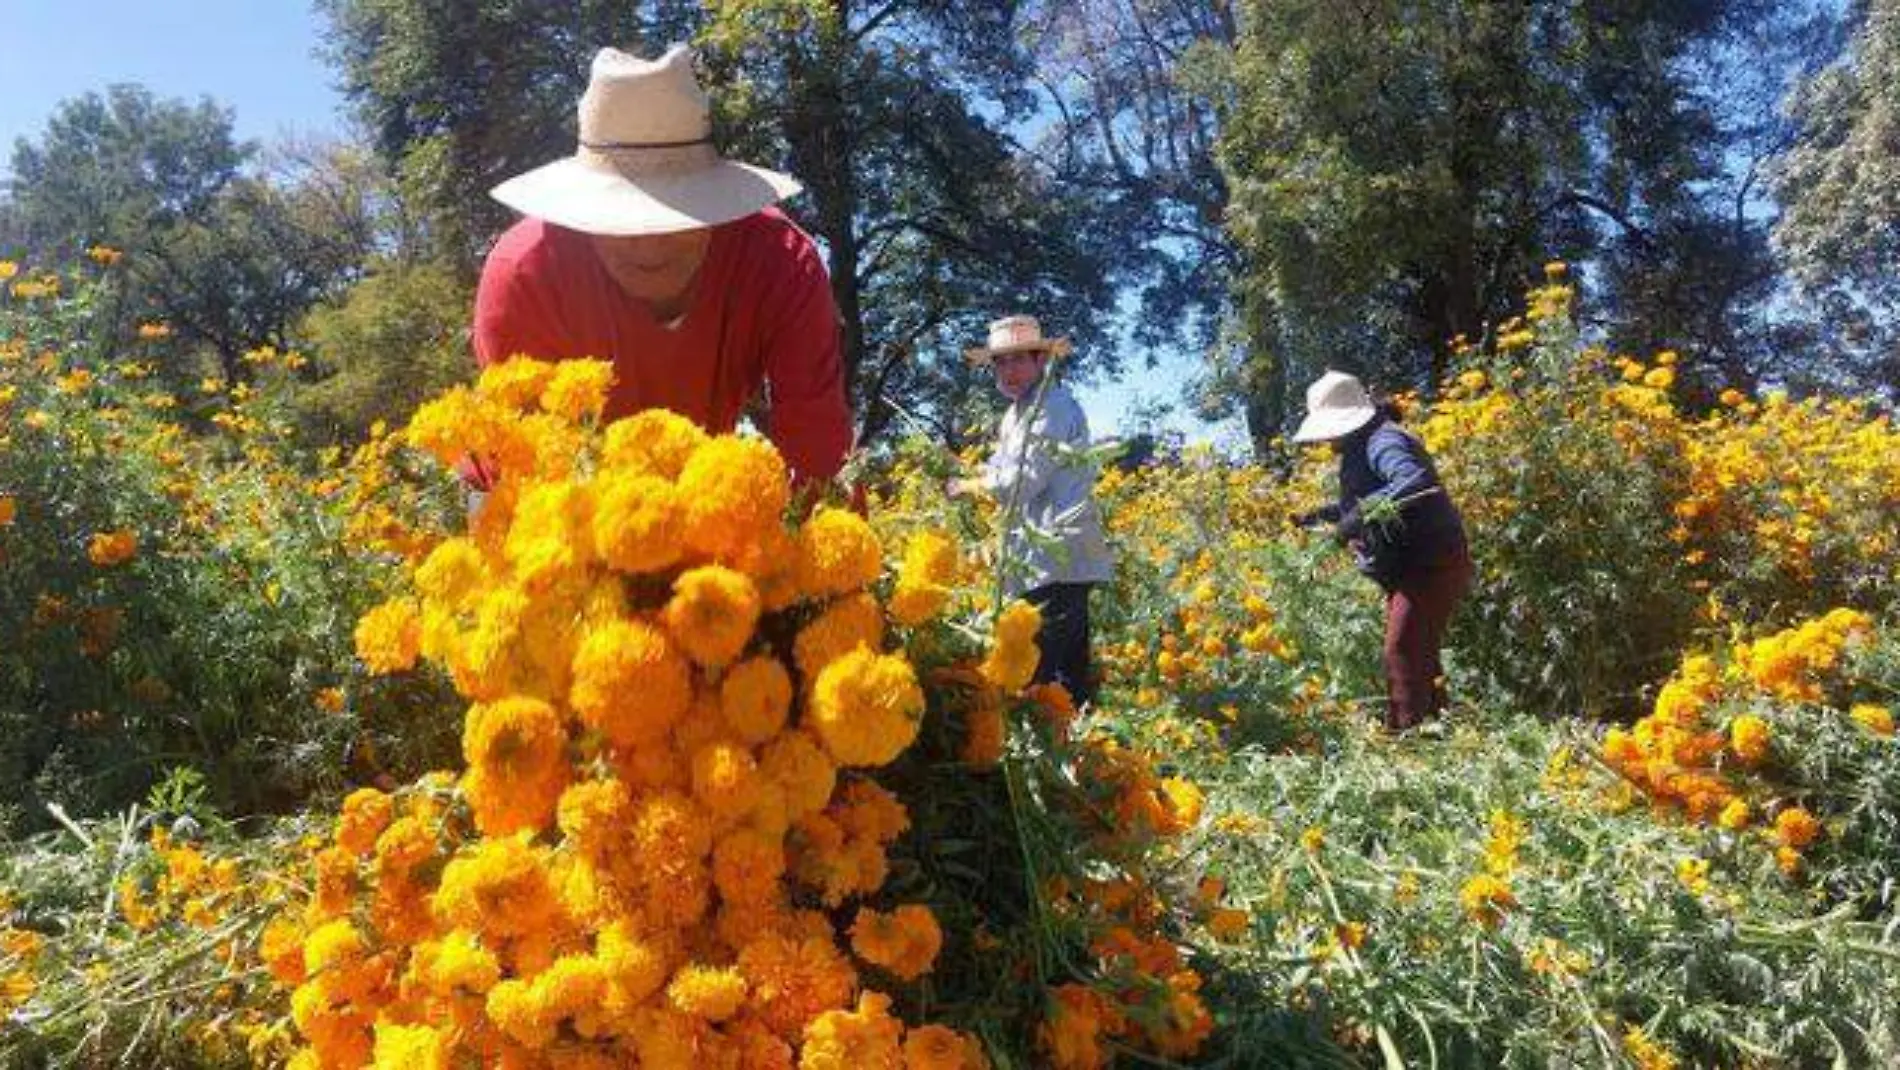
pixel 1417 610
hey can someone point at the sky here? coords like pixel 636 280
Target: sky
pixel 260 59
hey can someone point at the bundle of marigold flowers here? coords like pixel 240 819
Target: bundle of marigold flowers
pixel 666 825
pixel 667 843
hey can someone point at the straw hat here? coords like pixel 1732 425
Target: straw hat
pixel 1336 406
pixel 1016 334
pixel 646 162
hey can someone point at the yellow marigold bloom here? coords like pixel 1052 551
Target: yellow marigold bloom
pixel 1693 873
pixel 726 780
pixel 846 625
pixel 636 967
pixel 655 442
pixel 549 539
pixel 389 637
pixel 868 1038
pixel 512 1008
pixel 712 613
pixel 412 1047
pixel 110 548
pixel 793 980
pixel 629 682
pixel 516 750
pixel 499 889
pixel 1661 378
pixel 924 578
pixel 866 707
pixel 1734 816
pixel 333 946
pixel 1313 838
pixel 1646 1053
pixel 755 698
pixel 707 992
pixel 637 521
pixel 517 382
pixel 280 947
pixel 453 573
pixel 1749 738
pixel 731 487
pixel 796 763
pixel 331 700
pixel 837 553
pixel 366 813
pixel 1733 398
pixel 1875 719
pixel 1485 898
pixel 578 389
pixel 1013 655
pixel 1472 380
pixel 939 1047
pixel 1796 828
pixel 903 943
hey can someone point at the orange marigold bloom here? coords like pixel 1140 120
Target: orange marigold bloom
pixel 706 992
pixel 578 389
pixel 867 1038
pixel 747 867
pixel 110 548
pixel 903 942
pixel 726 780
pixel 793 980
pixel 1749 738
pixel 1796 828
pixel 366 813
pixel 712 613
pixel 846 625
pixel 636 522
pixel 1013 655
pixel 655 442
pixel 938 1047
pixel 755 698
pixel 801 767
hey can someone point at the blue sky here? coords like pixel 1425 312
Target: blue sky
pixel 259 58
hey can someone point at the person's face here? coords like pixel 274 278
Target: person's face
pixel 656 268
pixel 1018 373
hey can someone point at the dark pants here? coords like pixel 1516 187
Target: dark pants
pixel 1417 611
pixel 1064 638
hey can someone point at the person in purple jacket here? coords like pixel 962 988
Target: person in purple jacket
pixel 1404 532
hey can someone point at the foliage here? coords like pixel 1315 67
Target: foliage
pixel 176 578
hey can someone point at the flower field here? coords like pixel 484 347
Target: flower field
pixel 649 762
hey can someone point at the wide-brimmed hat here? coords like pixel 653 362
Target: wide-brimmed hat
pixel 646 162
pixel 1336 405
pixel 1016 334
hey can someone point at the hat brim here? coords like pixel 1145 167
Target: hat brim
pixel 579 196
pixel 1053 347
pixel 1333 423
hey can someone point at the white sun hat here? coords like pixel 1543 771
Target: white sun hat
pixel 1336 406
pixel 1016 334
pixel 646 162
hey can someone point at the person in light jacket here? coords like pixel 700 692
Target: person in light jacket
pixel 1043 482
pixel 1404 531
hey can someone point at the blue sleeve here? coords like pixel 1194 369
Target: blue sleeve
pixel 1059 428
pixel 1403 468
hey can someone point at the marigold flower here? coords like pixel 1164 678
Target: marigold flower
pixel 837 553
pixel 755 698
pixel 707 992
pixel 846 625
pixel 867 1038
pixel 904 942
pixel 866 707
pixel 366 813
pixel 712 613
pixel 9 509
pixel 1485 898
pixel 629 682
pixel 654 442
pixel 516 382
pixel 499 889
pixel 578 389
pixel 1749 738
pixel 389 637
pixel 549 538
pixel 801 767
pixel 1875 719
pixel 983 736
pixel 1013 655
pixel 731 487
pixel 938 1047
pixel 726 780
pixel 112 548
pixel 793 980
pixel 1071 1033
pixel 924 578
pixel 593 815
pixel 1796 828
pixel 412 1047
pixel 637 522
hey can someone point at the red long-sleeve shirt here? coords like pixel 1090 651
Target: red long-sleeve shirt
pixel 762 316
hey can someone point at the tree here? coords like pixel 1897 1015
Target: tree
pixel 1839 186
pixel 458 96
pixel 397 338
pixel 229 257
pixel 1401 171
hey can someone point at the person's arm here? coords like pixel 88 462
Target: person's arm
pixel 1404 470
pixel 807 418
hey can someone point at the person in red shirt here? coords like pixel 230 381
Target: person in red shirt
pixel 648 249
